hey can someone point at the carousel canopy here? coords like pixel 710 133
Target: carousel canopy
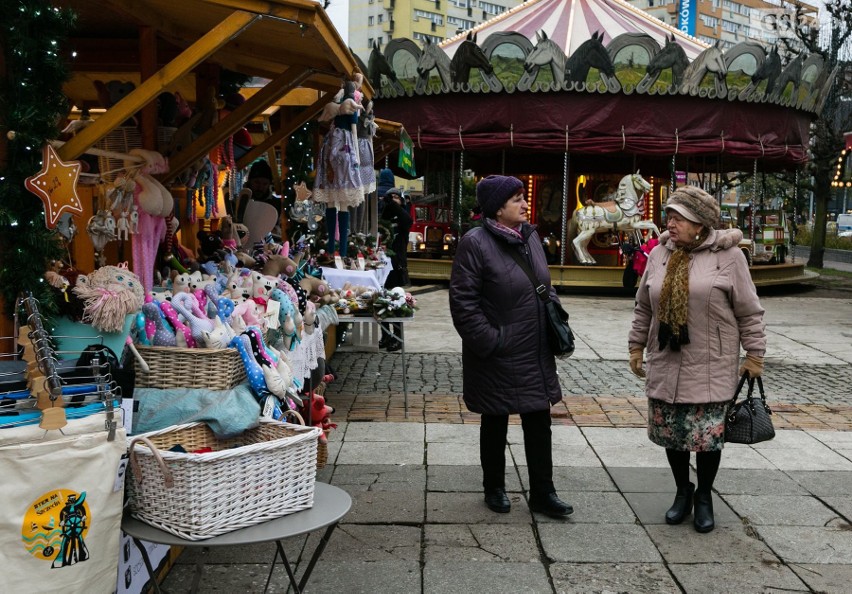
pixel 571 22
pixel 600 77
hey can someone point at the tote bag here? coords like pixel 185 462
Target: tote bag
pixel 61 520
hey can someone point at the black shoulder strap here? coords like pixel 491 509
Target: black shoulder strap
pixel 538 286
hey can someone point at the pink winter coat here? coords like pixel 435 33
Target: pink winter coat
pixel 724 313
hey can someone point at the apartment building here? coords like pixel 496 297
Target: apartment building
pixel 380 21
pixel 730 21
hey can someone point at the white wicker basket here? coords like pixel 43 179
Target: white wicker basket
pixel 265 473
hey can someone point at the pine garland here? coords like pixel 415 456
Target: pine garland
pixel 32 35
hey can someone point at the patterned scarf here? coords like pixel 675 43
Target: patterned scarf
pixel 674 297
pixel 674 302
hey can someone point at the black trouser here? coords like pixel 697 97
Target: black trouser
pixel 537 447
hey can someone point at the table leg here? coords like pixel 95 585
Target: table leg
pixel 279 550
pixel 315 557
pixel 199 568
pixel 148 566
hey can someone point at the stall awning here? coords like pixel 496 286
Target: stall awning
pixel 290 42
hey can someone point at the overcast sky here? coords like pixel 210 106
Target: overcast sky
pixel 338 11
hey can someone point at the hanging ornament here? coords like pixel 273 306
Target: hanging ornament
pixel 56 185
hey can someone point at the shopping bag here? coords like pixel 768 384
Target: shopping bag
pixel 61 521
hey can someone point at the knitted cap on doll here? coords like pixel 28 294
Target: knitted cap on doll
pixel 493 191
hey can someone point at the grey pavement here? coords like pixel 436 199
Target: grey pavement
pixel 418 523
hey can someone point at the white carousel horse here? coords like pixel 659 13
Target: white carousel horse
pixel 622 213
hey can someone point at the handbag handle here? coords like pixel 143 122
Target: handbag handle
pixel 749 395
pixel 168 479
pixel 538 286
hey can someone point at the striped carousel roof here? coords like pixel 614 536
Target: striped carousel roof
pixel 571 22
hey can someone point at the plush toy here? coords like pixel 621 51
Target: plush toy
pixel 211 246
pixel 183 334
pixel 219 337
pixel 109 293
pixel 163 336
pixel 262 285
pixel 180 282
pixel 187 306
pixel 320 416
pixel 254 373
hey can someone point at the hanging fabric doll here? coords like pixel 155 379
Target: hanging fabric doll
pixel 338 179
pixel 366 130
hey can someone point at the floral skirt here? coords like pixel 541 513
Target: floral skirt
pixel 689 427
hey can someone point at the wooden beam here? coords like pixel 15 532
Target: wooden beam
pixel 285 130
pixel 148 90
pixel 147 69
pixel 268 95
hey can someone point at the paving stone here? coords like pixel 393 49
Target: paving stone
pixel 590 543
pixel 843 505
pixel 736 578
pixel 576 478
pixel 635 457
pixel 811 458
pixel 481 542
pixel 371 543
pixel 361 452
pixel 452 454
pixel 651 508
pixel 563 455
pixel 643 480
pixel 637 578
pixel 496 578
pixel 229 578
pixel 801 544
pixel 781 510
pixel 385 477
pixel 466 478
pixel 439 433
pixel 395 432
pixel 823 482
pixel 386 507
pixel 365 577
pixel 734 481
pixel 725 544
pixel 470 508
pixel 248 554
pixel 833 579
pixel 594 508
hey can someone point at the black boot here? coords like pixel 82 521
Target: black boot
pixel 550 505
pixel 497 500
pixel 704 512
pixel 682 505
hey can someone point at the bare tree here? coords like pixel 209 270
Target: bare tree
pixel 832 43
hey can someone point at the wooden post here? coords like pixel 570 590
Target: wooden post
pixel 147 69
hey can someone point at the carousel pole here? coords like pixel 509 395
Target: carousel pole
pixel 672 176
pixel 751 206
pixel 456 214
pixel 565 163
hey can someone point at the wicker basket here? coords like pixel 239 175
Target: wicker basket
pixel 265 473
pixel 175 367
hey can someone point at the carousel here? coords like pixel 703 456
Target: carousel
pixel 601 110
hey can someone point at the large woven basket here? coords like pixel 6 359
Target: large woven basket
pixel 175 367
pixel 265 473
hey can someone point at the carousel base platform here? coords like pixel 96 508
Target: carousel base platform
pixel 610 276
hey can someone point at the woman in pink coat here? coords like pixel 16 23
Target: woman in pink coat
pixel 695 306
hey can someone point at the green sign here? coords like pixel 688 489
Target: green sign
pixel 406 153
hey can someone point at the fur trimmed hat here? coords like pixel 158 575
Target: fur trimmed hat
pixel 695 205
pixel 493 191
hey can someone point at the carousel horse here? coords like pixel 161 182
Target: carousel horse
pixel 590 54
pixel 792 73
pixel 622 213
pixel 467 56
pixel 710 61
pixel 546 53
pixel 670 56
pixel 769 70
pixel 377 65
pixel 435 57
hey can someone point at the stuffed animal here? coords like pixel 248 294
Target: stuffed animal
pixel 320 416
pixel 109 293
pixel 180 282
pixel 187 305
pixel 163 335
pixel 183 334
pixel 219 337
pixel 211 246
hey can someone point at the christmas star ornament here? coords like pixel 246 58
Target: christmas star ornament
pixel 56 185
pixel 302 191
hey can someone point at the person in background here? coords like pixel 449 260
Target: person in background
pixel 259 187
pixel 398 219
pixel 695 306
pixel 508 367
pixel 385 183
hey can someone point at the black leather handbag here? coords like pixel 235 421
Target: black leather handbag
pixel 749 421
pixel 559 334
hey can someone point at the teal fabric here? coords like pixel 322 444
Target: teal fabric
pixel 227 412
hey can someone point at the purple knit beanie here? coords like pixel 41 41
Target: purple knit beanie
pixel 493 191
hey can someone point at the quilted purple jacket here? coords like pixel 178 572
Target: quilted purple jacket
pixel 508 365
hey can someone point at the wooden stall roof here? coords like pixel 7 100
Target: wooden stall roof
pixel 290 42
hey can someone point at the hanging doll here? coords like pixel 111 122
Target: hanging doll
pixel 338 180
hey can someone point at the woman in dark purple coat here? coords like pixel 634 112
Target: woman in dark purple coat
pixel 508 365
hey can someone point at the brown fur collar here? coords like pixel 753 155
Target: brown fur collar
pixel 718 239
